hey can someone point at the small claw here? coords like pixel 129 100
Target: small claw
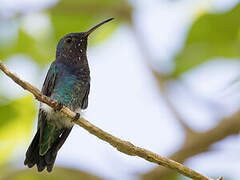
pixel 59 106
pixel 77 116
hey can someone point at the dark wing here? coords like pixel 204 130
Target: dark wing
pixel 50 80
pixel 85 98
pixel 47 90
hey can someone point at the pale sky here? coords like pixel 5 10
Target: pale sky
pixel 124 99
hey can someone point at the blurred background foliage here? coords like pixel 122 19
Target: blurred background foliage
pixel 15 124
pixel 35 33
pixel 211 36
pixel 58 174
pixel 37 43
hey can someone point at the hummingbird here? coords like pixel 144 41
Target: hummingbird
pixel 68 82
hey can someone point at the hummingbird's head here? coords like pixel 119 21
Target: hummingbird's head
pixel 73 46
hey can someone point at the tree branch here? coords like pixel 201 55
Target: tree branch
pixel 191 146
pixel 196 143
pixel 121 145
pixel 199 143
pixel 161 78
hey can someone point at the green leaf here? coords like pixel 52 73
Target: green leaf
pixel 211 36
pixel 78 16
pixel 15 124
pixel 40 51
pixel 67 17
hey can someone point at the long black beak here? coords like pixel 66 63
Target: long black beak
pixel 97 26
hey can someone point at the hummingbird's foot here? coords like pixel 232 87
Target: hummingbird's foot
pixel 77 116
pixel 59 106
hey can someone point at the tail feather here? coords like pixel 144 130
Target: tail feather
pixel 47 160
pixel 32 152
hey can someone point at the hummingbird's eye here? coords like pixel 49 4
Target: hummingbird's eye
pixel 68 40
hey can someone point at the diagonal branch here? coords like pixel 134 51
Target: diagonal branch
pixel 191 146
pixel 199 143
pixel 121 145
pixel 161 78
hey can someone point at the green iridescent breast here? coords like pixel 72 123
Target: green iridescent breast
pixel 66 90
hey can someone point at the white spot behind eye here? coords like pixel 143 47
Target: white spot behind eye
pixel 78 58
pixel 80 40
pixel 80 50
pixel 70 51
pixel 79 44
